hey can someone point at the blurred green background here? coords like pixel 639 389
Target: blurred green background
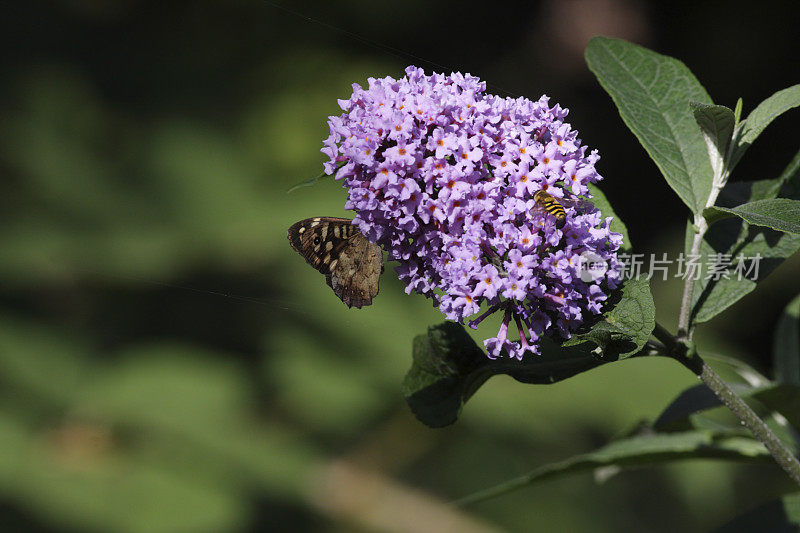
pixel 168 363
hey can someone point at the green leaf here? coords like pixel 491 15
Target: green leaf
pixel 715 214
pixel 637 451
pixel 449 367
pixel 699 408
pixel 739 369
pixel 782 214
pixel 760 118
pixel 652 93
pixel 617 225
pixel 712 297
pixel 625 328
pixel 556 363
pixel 679 434
pixel 446 370
pixel 736 237
pixel 778 516
pixel 716 124
pixel 309 182
pixel 737 112
pixel 786 344
pixel 781 397
pixel 677 415
pixel 786 185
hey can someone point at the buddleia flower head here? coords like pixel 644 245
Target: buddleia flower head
pixel 443 177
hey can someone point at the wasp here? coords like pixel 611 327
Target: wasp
pixel 548 203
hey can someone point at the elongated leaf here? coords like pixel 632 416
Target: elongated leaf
pixel 786 344
pixel 781 397
pixel 652 93
pixel 626 327
pixel 677 414
pixel 734 237
pixel 737 111
pixel 777 516
pixel 637 451
pixel 698 408
pixel 782 214
pixel 743 372
pixel 715 214
pixel 762 251
pixel 760 118
pixel 716 124
pixel 449 367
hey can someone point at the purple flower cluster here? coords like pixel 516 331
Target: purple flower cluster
pixel 443 177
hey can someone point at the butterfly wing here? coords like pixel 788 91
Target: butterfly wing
pixel 355 276
pixel 351 264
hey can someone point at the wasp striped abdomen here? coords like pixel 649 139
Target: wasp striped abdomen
pixel 547 202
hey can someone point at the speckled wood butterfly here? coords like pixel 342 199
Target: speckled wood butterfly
pixel 352 265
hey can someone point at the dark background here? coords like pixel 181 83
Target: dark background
pixel 167 363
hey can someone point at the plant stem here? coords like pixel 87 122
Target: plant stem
pixel 721 175
pixel 670 342
pixel 782 455
pixel 701 226
pixel 688 357
pixel 688 284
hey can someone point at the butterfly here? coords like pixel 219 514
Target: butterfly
pixel 352 265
